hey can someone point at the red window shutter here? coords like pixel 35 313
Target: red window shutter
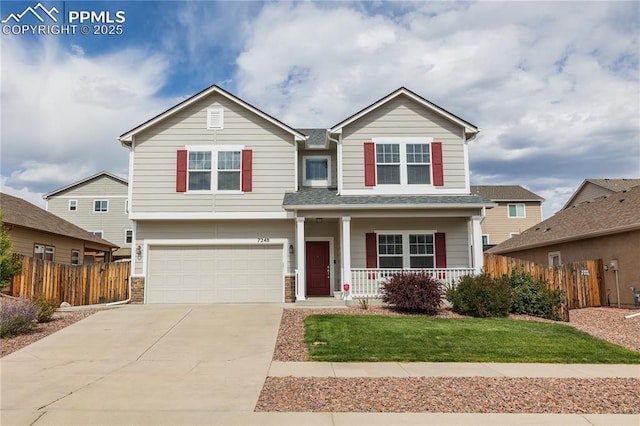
pixel 441 250
pixel 181 171
pixel 372 250
pixel 369 164
pixel 436 161
pixel 247 170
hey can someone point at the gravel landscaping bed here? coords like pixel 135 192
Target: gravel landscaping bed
pixel 450 395
pixel 60 321
pixel 459 394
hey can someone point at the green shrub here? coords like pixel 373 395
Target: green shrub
pixel 480 296
pixel 413 291
pixel 47 307
pixel 530 296
pixel 17 317
pixel 363 303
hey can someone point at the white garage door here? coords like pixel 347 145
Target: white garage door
pixel 215 274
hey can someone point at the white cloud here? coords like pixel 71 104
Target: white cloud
pixel 548 89
pixel 62 110
pixel 22 192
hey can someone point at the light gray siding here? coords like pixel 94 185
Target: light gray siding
pixel 202 230
pixel 154 170
pixel 113 223
pixel 402 117
pixel 455 229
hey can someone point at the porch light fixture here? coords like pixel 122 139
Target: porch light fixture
pixel 138 253
pixel 290 248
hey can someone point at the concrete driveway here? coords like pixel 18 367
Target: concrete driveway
pixel 143 364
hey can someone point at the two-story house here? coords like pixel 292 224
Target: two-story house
pixel 590 189
pixel 99 204
pixel 229 204
pixel 517 209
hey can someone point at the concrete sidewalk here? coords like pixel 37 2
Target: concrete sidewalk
pixel 450 369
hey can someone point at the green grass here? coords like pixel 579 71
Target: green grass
pixel 384 338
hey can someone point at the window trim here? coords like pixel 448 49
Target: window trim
pixel 406 251
pixel 550 257
pixel 100 236
pixel 75 205
pixel 100 201
pixel 214 149
pixel 404 185
pixel 487 239
pixel 524 211
pixel 513 234
pixel 45 249
pixel 316 183
pixel 126 231
pixel 78 253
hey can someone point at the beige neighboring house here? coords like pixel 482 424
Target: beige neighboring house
pixel 517 209
pixel 230 204
pixel 37 233
pixel 594 188
pixel 606 228
pixel 99 204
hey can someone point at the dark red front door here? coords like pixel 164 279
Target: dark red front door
pixel 318 282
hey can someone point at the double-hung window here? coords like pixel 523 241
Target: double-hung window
pixel 216 168
pixel 199 169
pixel 403 161
pixel 128 236
pixel 73 205
pixel 75 257
pixel 41 251
pixel 406 250
pixel 317 170
pixel 228 170
pixel 101 206
pixel 516 210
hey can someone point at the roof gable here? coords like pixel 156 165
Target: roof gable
pixel 19 212
pixel 470 130
pixel 86 181
pixel 618 212
pixel 611 185
pixel 127 138
pixel 505 193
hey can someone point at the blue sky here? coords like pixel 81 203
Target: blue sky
pixel 554 86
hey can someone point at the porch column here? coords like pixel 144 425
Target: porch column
pixel 476 241
pixel 301 284
pixel 345 244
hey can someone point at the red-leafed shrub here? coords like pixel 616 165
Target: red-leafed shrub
pixel 413 291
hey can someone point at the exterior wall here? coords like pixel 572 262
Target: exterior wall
pixel 24 239
pixel 457 237
pixel 589 192
pixel 622 247
pixel 310 152
pixel 198 230
pixel 113 223
pixel 497 223
pixel 403 117
pixel 154 169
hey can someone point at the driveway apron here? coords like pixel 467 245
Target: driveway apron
pixel 147 359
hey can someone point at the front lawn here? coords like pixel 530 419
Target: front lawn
pixel 369 338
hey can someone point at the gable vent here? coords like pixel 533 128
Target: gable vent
pixel 215 118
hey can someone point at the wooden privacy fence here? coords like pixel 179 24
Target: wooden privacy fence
pixel 582 282
pixel 75 284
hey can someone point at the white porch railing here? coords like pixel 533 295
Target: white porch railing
pixel 367 282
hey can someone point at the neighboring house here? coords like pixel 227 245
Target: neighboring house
pixel 594 188
pixel 98 204
pixel 517 209
pixel 37 233
pixel 232 205
pixel 606 228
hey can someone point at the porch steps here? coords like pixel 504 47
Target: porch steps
pixel 320 302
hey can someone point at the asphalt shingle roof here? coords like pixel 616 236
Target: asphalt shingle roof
pixel 323 196
pixel 610 214
pixel 317 137
pixel 19 212
pixel 615 184
pixel 505 193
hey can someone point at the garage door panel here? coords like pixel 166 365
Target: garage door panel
pixel 215 274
